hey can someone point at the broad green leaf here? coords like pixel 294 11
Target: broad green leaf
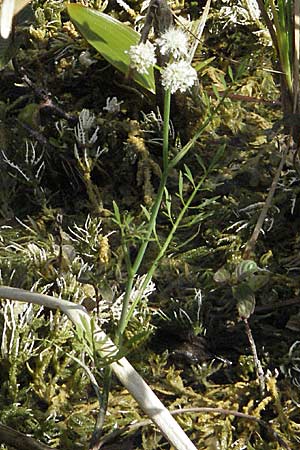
pixel 222 275
pixel 111 38
pixel 245 300
pixel 257 281
pixel 245 268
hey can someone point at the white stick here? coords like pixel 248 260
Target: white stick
pixel 127 375
pixel 7 13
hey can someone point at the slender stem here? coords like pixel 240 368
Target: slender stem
pixel 258 367
pixel 151 225
pixel 178 157
pixel 139 258
pixel 167 103
pixel 253 239
pixel 111 437
pixel 164 248
pixel 167 165
pixel 103 409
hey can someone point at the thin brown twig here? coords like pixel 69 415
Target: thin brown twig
pixel 253 239
pixel 244 98
pixel 258 367
pixel 18 440
pixel 195 410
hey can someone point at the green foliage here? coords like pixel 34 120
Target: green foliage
pixel 111 38
pixel 105 189
pixel 32 370
pixel 245 300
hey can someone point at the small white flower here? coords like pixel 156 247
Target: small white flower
pixel 173 42
pixel 178 76
pixel 142 57
pixel 112 105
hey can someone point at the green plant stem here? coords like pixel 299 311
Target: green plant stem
pixel 103 408
pixel 139 258
pixel 166 126
pixel 280 31
pixel 152 222
pixel 198 133
pixel 282 35
pixel 133 269
pixel 165 246
pixel 168 165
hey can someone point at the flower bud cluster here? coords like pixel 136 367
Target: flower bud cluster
pixel 178 74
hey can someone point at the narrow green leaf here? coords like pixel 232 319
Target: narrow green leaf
pixel 146 212
pixel 216 92
pixel 168 203
pixel 219 153
pixel 117 212
pixel 201 163
pixel 111 38
pixel 200 65
pixel 180 184
pixel 189 175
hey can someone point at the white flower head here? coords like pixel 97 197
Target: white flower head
pixel 178 76
pixel 142 57
pixel 174 42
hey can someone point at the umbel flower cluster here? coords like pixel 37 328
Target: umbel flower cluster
pixel 178 74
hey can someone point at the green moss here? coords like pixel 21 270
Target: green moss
pixel 57 236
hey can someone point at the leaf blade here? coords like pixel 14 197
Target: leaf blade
pixel 111 38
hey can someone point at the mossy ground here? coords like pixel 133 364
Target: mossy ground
pixel 58 237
